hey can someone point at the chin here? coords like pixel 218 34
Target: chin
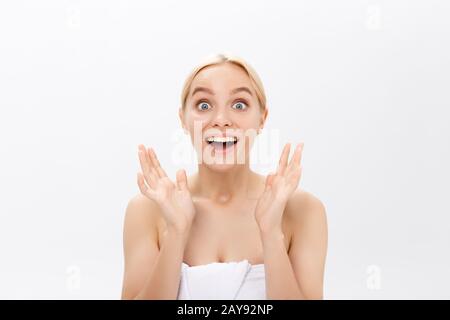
pixel 221 167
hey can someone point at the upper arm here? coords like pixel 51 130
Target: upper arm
pixel 140 244
pixel 309 243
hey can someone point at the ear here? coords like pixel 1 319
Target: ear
pixel 263 118
pixel 181 116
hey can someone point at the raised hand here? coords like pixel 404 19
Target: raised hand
pixel 279 187
pixel 174 199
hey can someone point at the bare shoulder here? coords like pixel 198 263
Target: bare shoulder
pixel 140 242
pixel 142 208
pixel 308 241
pixel 303 206
pixel 142 216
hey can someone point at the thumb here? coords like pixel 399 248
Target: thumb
pixel 181 179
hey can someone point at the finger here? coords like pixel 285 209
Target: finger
pixel 146 168
pixel 294 177
pixel 284 159
pixel 296 158
pixel 182 180
pixel 160 171
pixel 152 166
pixel 142 187
pixel 269 181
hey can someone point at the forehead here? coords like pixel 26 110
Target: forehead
pixel 224 76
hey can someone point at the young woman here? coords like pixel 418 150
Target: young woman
pixel 225 232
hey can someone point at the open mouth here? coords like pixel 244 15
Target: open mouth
pixel 221 143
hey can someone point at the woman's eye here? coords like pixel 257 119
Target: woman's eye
pixel 203 106
pixel 240 105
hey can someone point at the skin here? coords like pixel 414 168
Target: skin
pixel 224 212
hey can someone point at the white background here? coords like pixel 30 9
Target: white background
pixel 365 84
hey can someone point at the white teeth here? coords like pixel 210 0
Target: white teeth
pixel 221 139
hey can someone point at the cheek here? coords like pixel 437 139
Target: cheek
pixel 194 120
pixel 199 117
pixel 248 124
pixel 249 119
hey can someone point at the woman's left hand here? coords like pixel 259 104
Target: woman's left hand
pixel 279 187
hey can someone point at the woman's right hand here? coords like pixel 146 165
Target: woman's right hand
pixel 174 199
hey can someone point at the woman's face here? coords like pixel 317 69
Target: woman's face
pixel 222 115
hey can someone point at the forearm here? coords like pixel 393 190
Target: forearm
pixel 281 282
pixel 164 279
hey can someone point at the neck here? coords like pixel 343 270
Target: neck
pixel 222 187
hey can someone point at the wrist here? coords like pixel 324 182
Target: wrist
pixel 268 228
pixel 181 226
pixel 178 232
pixel 270 235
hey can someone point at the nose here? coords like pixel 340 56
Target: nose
pixel 221 119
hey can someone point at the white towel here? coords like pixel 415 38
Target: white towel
pixel 222 280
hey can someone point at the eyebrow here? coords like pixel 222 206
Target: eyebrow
pixel 203 89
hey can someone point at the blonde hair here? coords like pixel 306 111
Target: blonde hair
pixel 223 58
